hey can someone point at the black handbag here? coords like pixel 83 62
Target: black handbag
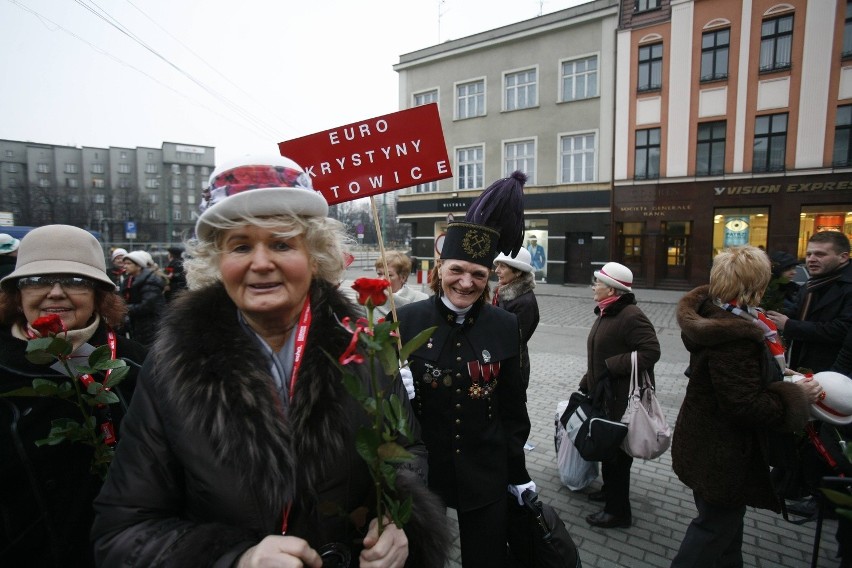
pixel 594 435
pixel 537 537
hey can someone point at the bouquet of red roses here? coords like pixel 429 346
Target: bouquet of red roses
pixel 91 397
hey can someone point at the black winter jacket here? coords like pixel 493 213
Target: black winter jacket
pixel 209 461
pixel 517 297
pixel 145 303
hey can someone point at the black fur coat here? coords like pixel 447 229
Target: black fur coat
pixel 734 401
pixel 208 462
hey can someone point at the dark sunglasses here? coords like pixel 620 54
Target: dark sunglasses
pixel 71 284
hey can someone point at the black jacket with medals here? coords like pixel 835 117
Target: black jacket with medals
pixel 209 462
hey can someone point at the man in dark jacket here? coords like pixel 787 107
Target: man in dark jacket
pixel 174 270
pixel 143 291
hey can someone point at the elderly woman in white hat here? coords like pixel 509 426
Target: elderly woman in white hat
pixel 620 329
pixel 143 291
pixel 47 490
pixel 241 449
pixel 514 293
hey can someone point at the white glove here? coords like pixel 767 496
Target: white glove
pixel 408 381
pixel 518 490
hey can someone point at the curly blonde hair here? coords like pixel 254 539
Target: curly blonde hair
pixel 325 239
pixel 740 274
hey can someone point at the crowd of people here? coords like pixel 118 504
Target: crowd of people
pixel 235 441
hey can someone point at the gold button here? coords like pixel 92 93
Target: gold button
pixel 458 391
pixel 458 451
pixel 458 358
pixel 458 407
pixel 458 375
pixel 458 344
pixel 458 421
pixel 458 437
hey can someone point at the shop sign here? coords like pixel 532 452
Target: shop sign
pixel 374 156
pixel 763 189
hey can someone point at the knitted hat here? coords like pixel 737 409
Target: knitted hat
pixel 118 252
pixel 494 223
pixel 8 243
pixel 520 261
pixel 233 192
pixel 836 407
pixel 138 257
pixel 616 276
pixel 59 249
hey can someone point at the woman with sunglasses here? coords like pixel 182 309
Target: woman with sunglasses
pixel 46 491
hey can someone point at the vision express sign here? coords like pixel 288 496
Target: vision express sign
pixel 373 156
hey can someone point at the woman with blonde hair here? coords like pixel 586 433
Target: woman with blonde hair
pixel 736 397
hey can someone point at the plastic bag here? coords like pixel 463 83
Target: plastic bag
pixel 575 472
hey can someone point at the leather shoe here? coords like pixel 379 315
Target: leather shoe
pixel 597 496
pixel 604 520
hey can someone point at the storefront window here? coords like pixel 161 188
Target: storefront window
pixel 677 241
pixel 817 218
pixel 740 226
pixel 630 242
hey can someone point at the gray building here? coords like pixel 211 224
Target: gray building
pixel 102 189
pixel 535 96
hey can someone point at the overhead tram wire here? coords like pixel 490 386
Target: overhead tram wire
pixel 106 17
pixel 120 61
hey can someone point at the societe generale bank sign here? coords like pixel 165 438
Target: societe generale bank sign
pixel 373 156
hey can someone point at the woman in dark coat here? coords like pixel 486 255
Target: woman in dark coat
pixel 620 329
pixel 514 293
pixel 241 429
pixel 469 394
pixel 735 398
pixel 143 292
pixel 46 491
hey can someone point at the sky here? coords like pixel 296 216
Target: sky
pixel 239 75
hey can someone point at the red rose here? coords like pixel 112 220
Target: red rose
pixel 372 289
pixel 48 325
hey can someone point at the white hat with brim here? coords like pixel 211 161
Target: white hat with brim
pixel 616 276
pixel 138 257
pixel 836 407
pixel 8 243
pixel 118 252
pixel 59 249
pixel 520 261
pixel 261 202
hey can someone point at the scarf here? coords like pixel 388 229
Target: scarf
pixel 77 337
pixel 606 302
pixel 770 331
pixel 813 285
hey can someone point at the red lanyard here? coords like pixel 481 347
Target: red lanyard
pixel 299 352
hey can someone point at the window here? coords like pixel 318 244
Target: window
pixel 190 198
pixel 98 183
pixel 714 54
pixel 577 152
pixel 644 5
pixel 710 155
pixel 426 187
pixel 521 156
pixel 12 168
pixel 426 98
pixel 72 183
pixel 70 168
pixel 470 99
pixel 42 168
pixel 151 168
pixel 776 41
pixel 153 214
pixel 44 182
pixel 737 226
pixel 153 198
pixel 176 215
pixel 843 137
pixel 97 168
pixel 190 169
pixel 630 242
pixel 124 168
pixel 122 155
pixel 650 67
pixel 152 183
pixel 13 182
pixel 677 241
pixel 99 198
pixel 124 183
pixel 175 183
pixel 175 168
pixel 470 164
pixel 150 156
pixel 205 171
pixel 176 198
pixel 847 32
pixel 521 90
pixel 580 78
pixel 647 164
pixel 770 143
pixel 74 199
pixel 9 153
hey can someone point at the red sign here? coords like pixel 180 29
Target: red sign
pixel 373 156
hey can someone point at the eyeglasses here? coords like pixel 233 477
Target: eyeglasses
pixel 70 284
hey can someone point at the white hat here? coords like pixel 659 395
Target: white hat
pixel 118 252
pixel 836 407
pixel 616 276
pixel 138 257
pixel 8 243
pixel 233 192
pixel 521 261
pixel 39 253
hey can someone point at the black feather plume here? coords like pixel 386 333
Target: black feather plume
pixel 501 207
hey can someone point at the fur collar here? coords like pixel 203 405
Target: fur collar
pixel 706 324
pixel 209 368
pixel 517 287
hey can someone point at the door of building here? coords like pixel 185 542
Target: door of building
pixel 578 258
